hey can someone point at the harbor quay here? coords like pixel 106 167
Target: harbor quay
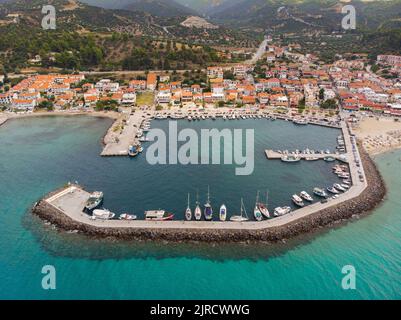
pixel 64 209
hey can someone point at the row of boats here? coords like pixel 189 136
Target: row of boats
pixel 137 148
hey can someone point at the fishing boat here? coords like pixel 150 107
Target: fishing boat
pixel 188 212
pixel 333 190
pixel 158 215
pixel 339 187
pixel 320 192
pixel 290 158
pixel 304 195
pixel 241 217
pixel 298 201
pixel 94 201
pixel 223 213
pixel 208 212
pixel 329 159
pixel 345 186
pixel 256 211
pixel 126 216
pixel 263 207
pixel 198 211
pixel 300 121
pixel 280 211
pixel 103 214
pixel 133 151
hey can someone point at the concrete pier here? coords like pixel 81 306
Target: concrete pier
pixel 271 154
pixel 119 142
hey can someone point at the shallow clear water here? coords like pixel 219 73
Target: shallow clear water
pixel 38 155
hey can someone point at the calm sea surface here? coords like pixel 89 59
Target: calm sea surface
pixel 41 154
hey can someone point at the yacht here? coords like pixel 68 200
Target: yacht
pixel 280 211
pixel 126 216
pixel 95 200
pixel 103 214
pixel 198 211
pixel 241 217
pixel 339 187
pixel 223 213
pixel 188 212
pixel 304 195
pixel 256 211
pixel 158 215
pixel 298 201
pixel 208 212
pixel 320 192
pixel 333 190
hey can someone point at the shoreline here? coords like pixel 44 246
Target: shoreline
pixel 343 212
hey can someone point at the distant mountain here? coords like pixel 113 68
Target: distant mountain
pixel 295 15
pixel 162 8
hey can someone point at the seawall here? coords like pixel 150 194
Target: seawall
pixel 360 205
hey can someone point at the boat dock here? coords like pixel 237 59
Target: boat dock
pixel 119 140
pixel 271 155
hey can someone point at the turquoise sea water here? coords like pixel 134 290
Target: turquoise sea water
pixel 38 155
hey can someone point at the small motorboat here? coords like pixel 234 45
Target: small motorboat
pixel 298 201
pixel 280 211
pixel 126 216
pixel 304 195
pixel 333 190
pixel 339 187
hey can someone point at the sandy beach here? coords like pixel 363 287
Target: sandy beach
pixel 379 135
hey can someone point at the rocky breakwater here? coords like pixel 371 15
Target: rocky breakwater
pixel 360 205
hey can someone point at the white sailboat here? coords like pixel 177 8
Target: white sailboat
pixel 188 212
pixel 264 207
pixel 256 211
pixel 240 218
pixel 198 211
pixel 208 207
pixel 223 213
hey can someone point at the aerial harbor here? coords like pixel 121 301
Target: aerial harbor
pixel 183 150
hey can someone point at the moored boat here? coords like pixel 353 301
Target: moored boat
pixel 103 214
pixel 333 190
pixel 256 211
pixel 126 216
pixel 290 158
pixel 263 207
pixel 133 151
pixel 298 201
pixel 223 213
pixel 188 212
pixel 280 211
pixel 241 217
pixel 304 195
pixel 198 211
pixel 339 187
pixel 320 192
pixel 208 212
pixel 158 215
pixel 94 201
